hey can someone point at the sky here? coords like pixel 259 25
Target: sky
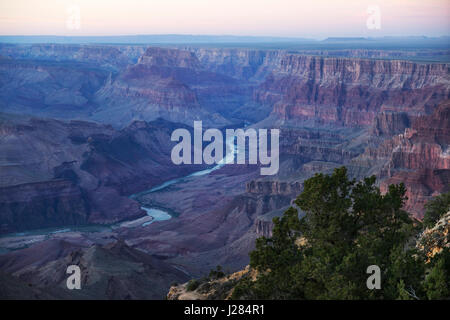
pixel 287 18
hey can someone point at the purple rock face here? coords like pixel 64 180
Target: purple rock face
pixel 85 142
pixel 71 173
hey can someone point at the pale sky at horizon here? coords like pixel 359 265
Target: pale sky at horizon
pixel 290 18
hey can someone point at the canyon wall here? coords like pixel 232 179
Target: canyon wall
pixel 42 204
pixel 351 92
pixel 330 111
pixel 419 157
pixel 56 173
pixel 120 84
pixel 384 117
pixel 108 271
pixel 108 56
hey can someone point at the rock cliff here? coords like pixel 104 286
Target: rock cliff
pixel 418 157
pixel 350 92
pixel 56 173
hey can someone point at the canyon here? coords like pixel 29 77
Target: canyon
pixel 85 140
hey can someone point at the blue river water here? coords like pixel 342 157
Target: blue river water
pixel 156 213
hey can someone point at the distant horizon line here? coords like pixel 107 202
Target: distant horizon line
pixel 229 35
pixel 222 39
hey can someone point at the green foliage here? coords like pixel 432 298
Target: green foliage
pixel 437 282
pixel 347 226
pixel 243 290
pixel 436 208
pixel 403 294
pixel 192 285
pixel 216 274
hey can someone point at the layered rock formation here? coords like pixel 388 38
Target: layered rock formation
pixel 42 204
pixel 108 56
pixel 56 173
pixel 164 83
pixel 57 89
pixel 273 187
pixel 247 64
pixel 374 116
pixel 350 92
pixel 218 288
pixel 138 83
pixel 111 271
pixel 419 157
pixel 390 123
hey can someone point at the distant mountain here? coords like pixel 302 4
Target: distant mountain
pixel 410 43
pixel 149 39
pixel 386 43
pixel 346 39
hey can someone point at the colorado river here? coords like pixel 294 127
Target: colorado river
pixel 160 215
pixel 229 158
pixel 156 213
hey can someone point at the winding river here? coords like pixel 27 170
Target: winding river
pixel 156 213
pixel 160 215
